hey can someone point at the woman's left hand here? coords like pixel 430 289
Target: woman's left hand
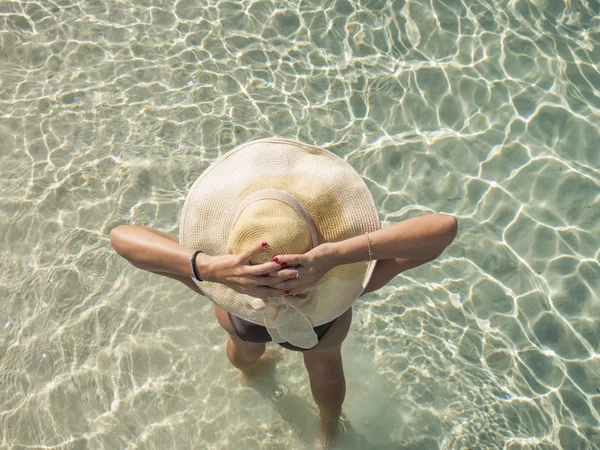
pixel 312 266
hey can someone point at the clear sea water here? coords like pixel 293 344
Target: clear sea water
pixel 490 111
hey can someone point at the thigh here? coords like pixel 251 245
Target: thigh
pixel 225 322
pixel 326 374
pixel 223 319
pixel 324 365
pixel 335 335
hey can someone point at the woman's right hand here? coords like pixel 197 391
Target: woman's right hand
pixel 236 272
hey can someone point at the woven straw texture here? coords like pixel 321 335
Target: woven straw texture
pixel 332 192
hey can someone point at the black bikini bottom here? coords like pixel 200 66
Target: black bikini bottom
pixel 251 332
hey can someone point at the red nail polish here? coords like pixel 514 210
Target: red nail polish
pixel 266 275
pixel 283 265
pixel 276 259
pixel 264 244
pixel 286 292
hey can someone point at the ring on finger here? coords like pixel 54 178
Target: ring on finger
pixel 297 272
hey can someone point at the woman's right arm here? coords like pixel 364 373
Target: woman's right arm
pixel 160 253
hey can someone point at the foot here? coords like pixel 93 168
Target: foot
pixel 267 362
pixel 331 426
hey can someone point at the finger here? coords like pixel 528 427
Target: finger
pixel 297 290
pixel 283 274
pixel 260 269
pixel 253 251
pixel 294 288
pixel 291 259
pixel 264 281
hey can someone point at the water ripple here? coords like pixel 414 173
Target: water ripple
pixel 488 111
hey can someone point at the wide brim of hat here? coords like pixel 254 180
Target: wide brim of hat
pixel 332 192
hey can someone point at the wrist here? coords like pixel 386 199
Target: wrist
pixel 352 250
pixel 333 254
pixel 203 267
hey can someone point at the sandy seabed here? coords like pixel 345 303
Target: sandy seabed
pixel 109 110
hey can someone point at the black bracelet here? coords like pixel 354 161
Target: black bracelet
pixel 193 264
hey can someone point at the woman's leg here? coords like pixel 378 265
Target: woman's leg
pixel 328 386
pixel 241 354
pixel 249 357
pixel 327 382
pixel 326 375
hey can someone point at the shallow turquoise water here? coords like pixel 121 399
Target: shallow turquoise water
pixel 109 110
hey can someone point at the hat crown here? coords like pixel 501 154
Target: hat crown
pixel 271 221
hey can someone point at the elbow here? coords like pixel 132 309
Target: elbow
pixel 445 235
pixel 449 228
pixel 117 239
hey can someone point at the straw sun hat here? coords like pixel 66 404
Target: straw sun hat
pixel 293 196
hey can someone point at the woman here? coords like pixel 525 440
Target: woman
pixel 283 237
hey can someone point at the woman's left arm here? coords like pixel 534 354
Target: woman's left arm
pixel 399 247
